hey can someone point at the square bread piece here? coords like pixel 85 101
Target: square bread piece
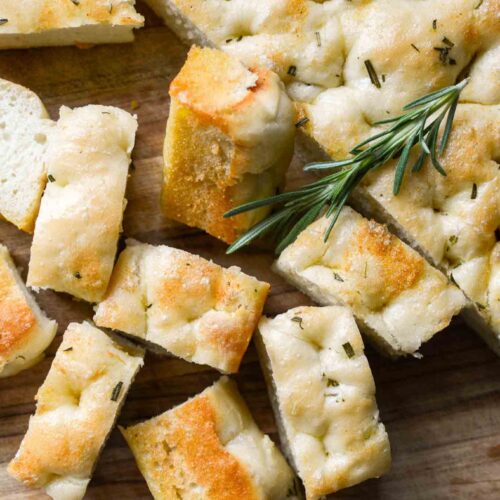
pixel 77 406
pixel 323 395
pixel 77 229
pixel 25 331
pixel 399 300
pixel 210 448
pixel 229 140
pixel 36 23
pixel 183 303
pixel 24 127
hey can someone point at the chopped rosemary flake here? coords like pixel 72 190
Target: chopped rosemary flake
pixel 453 239
pixel 298 320
pixel 348 349
pixel 318 38
pixel 444 55
pixel 415 47
pixel 479 4
pixel 473 195
pixel 75 2
pixel 301 122
pixel 448 42
pixel 77 275
pixel 20 357
pixel 372 73
pixel 149 306
pixel 3 20
pixel 338 277
pixel 383 77
pixel 51 178
pixel 68 349
pixel 116 391
pixel 229 40
pixel 330 382
pixel 434 24
pixel 480 306
pixel 239 38
pixel 292 70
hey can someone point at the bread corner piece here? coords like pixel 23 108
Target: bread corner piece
pixel 76 409
pixel 182 303
pixel 229 140
pixel 24 129
pixel 399 300
pixel 25 331
pixel 210 448
pixel 36 23
pixel 77 229
pixel 323 395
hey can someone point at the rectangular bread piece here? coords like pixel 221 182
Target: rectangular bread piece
pixel 210 448
pixel 36 23
pixel 182 303
pixel 229 140
pixel 24 127
pixel 321 49
pixel 323 396
pixel 399 300
pixel 76 409
pixel 77 230
pixel 25 331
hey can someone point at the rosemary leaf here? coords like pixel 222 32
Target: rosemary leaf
pixel 116 391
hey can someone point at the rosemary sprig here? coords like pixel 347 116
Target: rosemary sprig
pixel 419 125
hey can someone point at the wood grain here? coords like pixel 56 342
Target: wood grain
pixel 442 412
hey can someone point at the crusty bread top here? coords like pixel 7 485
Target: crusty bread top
pixel 24 128
pixel 192 307
pixel 326 397
pixel 209 448
pixel 391 289
pixel 31 16
pixel 77 230
pixel 25 331
pixel 76 408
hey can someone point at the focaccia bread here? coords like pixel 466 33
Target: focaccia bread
pixel 210 448
pixel 35 23
pixel 399 300
pixel 76 408
pixel 25 331
pixel 183 303
pixel 323 397
pixel 229 140
pixel 24 128
pixel 80 217
pixel 454 220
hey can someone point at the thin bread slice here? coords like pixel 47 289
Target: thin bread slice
pixel 210 448
pixel 24 128
pixel 229 140
pixel 399 300
pixel 182 303
pixel 76 409
pixel 25 331
pixel 323 397
pixel 77 230
pixel 36 23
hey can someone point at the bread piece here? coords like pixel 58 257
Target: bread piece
pixel 210 448
pixel 25 331
pixel 80 218
pixel 76 409
pixel 230 135
pixel 35 23
pixel 399 300
pixel 180 302
pixel 323 396
pixel 454 219
pixel 24 127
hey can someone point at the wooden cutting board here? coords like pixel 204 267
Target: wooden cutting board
pixel 442 412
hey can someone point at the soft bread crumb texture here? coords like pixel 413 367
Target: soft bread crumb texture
pixel 77 229
pixel 24 130
pixel 229 140
pixel 76 408
pixel 209 448
pixel 398 298
pixel 25 331
pixel 183 303
pixel 33 23
pixel 324 394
